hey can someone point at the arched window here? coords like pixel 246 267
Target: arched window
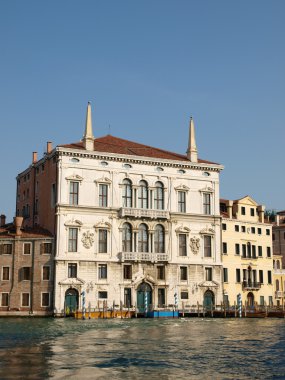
pixel 278 264
pixel 277 285
pixel 143 238
pixel 159 196
pixel 127 193
pixel 127 238
pixel 143 195
pixel 248 250
pixel 159 239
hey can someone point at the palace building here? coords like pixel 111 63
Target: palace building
pixel 246 252
pixel 134 225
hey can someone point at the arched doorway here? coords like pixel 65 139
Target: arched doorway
pixel 144 297
pixel 71 300
pixel 250 299
pixel 209 299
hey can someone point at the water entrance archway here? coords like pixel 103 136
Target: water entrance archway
pixel 71 300
pixel 209 299
pixel 144 293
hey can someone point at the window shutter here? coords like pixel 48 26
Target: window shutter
pixel 1 249
pixel 42 248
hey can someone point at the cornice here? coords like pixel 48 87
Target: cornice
pixel 141 160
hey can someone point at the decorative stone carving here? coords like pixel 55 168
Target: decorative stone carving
pixel 87 239
pixel 195 244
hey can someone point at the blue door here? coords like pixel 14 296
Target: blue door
pixel 209 300
pixel 71 301
pixel 144 297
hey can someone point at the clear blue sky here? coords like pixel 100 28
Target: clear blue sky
pixel 146 66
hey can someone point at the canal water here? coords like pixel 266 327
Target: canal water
pixel 142 349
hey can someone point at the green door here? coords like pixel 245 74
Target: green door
pixel 144 293
pixel 71 301
pixel 209 300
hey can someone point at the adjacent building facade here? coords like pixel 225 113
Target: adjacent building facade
pixel 26 270
pixel 246 252
pixel 133 224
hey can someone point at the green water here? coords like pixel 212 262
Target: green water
pixel 142 349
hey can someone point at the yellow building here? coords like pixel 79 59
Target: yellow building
pixel 278 280
pixel 246 252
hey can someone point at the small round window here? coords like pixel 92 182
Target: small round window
pixel 181 171
pixel 127 166
pixel 104 163
pixel 73 159
pixel 206 174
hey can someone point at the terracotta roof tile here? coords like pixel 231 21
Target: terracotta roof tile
pixel 9 232
pixel 112 144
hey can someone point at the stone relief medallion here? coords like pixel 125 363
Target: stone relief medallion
pixel 195 244
pixel 87 239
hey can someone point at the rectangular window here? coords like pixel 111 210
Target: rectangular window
pixel 26 272
pixel 243 211
pixel 261 276
pixel 73 193
pixel 242 228
pixel 268 250
pixel 260 251
pixel 161 272
pixel 253 251
pixel 127 272
pixel 207 246
pixel 27 248
pixel 36 207
pixel 237 275
pixel 237 249
pixel 269 276
pixel 102 271
pixel 7 249
pixel 103 295
pixel 207 203
pixel 267 231
pixel 208 274
pixel 253 230
pixel 182 245
pixel 184 295
pixel 259 231
pixel 72 270
pixel 5 299
pixel 261 301
pixel 45 299
pixel 127 297
pixel 181 201
pixel 224 226
pixel 225 272
pixel 103 195
pixel 270 300
pixel 25 299
pixel 103 234
pixel 161 297
pixel 46 273
pixel 244 250
pixel 6 273
pixel 72 239
pixel 46 248
pixel 183 273
pixel 237 228
pixel 252 213
pixel 225 248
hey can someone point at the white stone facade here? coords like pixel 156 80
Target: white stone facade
pixel 199 225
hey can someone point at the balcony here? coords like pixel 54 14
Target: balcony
pixel 143 213
pixel 143 257
pixel 279 294
pixel 251 285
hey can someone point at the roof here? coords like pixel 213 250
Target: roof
pixel 9 232
pixel 112 144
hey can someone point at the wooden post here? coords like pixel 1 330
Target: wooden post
pixel 212 314
pixel 245 304
pixel 198 309
pixel 183 309
pixel 136 310
pixel 121 309
pixel 235 307
pixel 225 312
pixel 266 310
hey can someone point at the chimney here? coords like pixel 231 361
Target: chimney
pixel 35 157
pixel 260 210
pixel 230 209
pixel 2 220
pixel 49 147
pixel 18 220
